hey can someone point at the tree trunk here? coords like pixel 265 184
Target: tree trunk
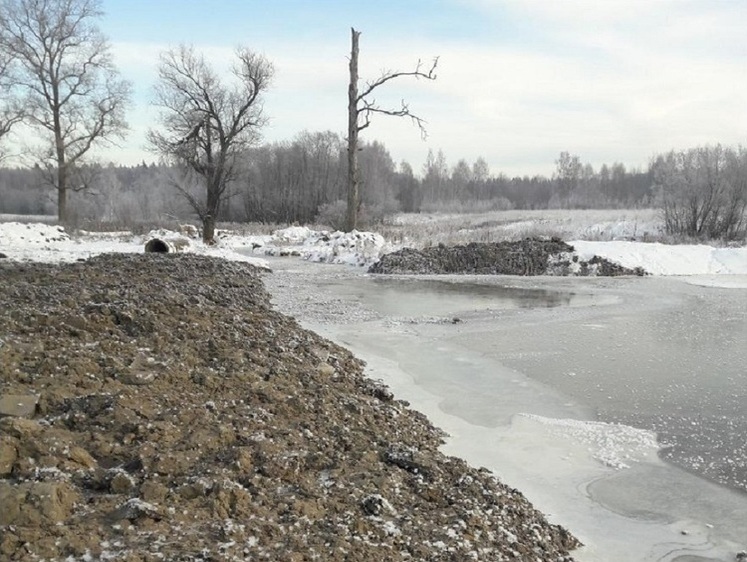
pixel 62 213
pixel 208 229
pixel 351 218
pixel 212 209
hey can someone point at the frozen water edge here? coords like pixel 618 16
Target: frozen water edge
pixel 571 469
pixel 555 463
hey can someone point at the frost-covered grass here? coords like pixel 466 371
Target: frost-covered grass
pixel 428 229
pixel 47 219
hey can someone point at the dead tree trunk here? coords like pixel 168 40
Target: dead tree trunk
pixel 360 104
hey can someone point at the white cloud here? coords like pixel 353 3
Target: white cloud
pixel 610 81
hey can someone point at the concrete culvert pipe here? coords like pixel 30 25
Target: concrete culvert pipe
pixel 158 246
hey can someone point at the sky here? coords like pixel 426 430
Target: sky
pixel 518 81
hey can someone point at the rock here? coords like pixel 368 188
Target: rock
pixel 141 378
pixel 8 454
pixel 82 457
pixel 35 503
pixel 325 369
pixel 373 505
pixel 121 483
pixel 20 428
pixel 19 406
pixel 153 491
pixel 407 459
pixel 133 510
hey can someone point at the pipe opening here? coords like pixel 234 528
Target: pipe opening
pixel 158 246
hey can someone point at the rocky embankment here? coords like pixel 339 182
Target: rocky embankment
pixel 155 407
pixel 531 256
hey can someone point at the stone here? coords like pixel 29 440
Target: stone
pixel 34 503
pixel 325 369
pixel 138 378
pixel 153 491
pixel 18 405
pixel 19 427
pixel 82 457
pixel 8 454
pixel 133 510
pixel 121 483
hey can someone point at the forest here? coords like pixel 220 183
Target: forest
pixel 303 181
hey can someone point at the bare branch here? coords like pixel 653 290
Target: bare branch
pixel 387 76
pixel 205 123
pixel 72 91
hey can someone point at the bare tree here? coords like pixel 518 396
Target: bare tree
pixel 361 106
pixel 10 107
pixel 568 170
pixel 73 93
pixel 703 191
pixel 206 124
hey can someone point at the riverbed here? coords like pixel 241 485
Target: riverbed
pixel 616 405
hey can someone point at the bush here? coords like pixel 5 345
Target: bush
pixel 703 192
pixel 332 215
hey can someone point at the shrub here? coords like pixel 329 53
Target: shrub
pixel 703 192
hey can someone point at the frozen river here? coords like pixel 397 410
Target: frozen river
pixel 618 406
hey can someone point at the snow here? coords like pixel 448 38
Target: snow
pixel 667 259
pixel 705 265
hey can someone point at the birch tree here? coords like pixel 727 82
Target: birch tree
pixel 361 107
pixel 72 93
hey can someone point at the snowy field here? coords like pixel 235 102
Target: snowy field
pixel 423 229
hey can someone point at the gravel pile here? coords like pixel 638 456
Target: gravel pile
pixel 155 407
pixel 531 256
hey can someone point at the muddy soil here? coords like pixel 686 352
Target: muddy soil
pixel 531 256
pixel 155 407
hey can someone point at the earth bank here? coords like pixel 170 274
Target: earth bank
pixel 530 256
pixel 156 407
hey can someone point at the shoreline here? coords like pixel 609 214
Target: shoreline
pixel 580 495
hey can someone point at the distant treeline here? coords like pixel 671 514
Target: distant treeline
pixel 303 180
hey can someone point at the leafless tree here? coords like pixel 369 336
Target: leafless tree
pixel 10 107
pixel 73 93
pixel 361 106
pixel 703 191
pixel 207 124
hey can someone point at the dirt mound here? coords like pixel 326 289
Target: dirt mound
pixel 156 408
pixel 531 256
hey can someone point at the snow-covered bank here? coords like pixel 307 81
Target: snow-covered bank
pixel 51 244
pixel 667 259
pixel 48 243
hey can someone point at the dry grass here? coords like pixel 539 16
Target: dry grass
pixel 422 230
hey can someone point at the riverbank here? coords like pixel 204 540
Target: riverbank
pixel 604 482
pixel 156 407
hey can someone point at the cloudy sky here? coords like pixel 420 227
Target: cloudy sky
pixel 519 81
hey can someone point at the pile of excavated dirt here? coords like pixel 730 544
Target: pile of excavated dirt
pixel 154 407
pixel 531 256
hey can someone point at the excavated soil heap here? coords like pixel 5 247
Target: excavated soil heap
pixel 530 256
pixel 156 408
